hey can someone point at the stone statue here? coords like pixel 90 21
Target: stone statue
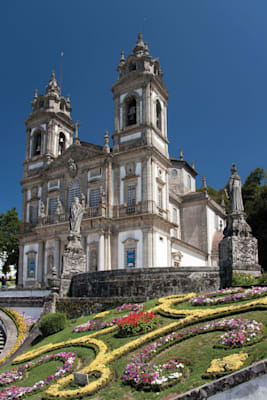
pixel 72 168
pixel 50 264
pixel 238 250
pixel 234 192
pixel 42 210
pixel 83 200
pixel 59 209
pixel 76 214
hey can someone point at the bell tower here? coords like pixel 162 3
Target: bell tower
pixel 140 102
pixel 49 128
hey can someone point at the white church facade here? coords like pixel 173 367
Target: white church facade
pixel 141 207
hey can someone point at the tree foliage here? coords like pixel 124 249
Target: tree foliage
pixel 254 192
pixel 9 243
pixel 217 195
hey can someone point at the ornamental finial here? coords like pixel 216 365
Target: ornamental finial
pixel 122 60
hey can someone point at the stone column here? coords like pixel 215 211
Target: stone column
pixel 168 214
pixel 148 100
pixel 57 256
pixel 28 154
pixel 21 267
pixel 107 251
pixel 101 252
pixel 154 258
pixel 169 244
pixel 117 114
pixel 148 182
pixel 109 190
pixel 114 250
pixel 41 279
pixel 147 248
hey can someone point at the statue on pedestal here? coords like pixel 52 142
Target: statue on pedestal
pixel 74 259
pixel 238 251
pixel 233 191
pixel 76 214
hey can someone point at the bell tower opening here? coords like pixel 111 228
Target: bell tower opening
pixel 140 102
pixel 131 111
pixel 61 143
pixel 158 114
pixel 37 141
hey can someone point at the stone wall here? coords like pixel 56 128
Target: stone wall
pixel 75 307
pixel 145 282
pixel 22 301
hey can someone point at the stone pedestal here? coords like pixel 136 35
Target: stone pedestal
pixel 74 262
pixel 238 254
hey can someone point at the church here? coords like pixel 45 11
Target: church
pixel 141 207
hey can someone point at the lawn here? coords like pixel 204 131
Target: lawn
pixel 103 352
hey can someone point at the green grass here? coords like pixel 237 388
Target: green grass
pixel 196 352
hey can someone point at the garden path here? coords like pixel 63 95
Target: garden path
pixel 11 333
pixel 255 389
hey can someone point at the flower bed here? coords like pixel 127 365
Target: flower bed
pixel 104 356
pixel 153 377
pixel 236 294
pixel 23 326
pixel 221 367
pixel 15 374
pixel 139 368
pixel 102 314
pixel 94 325
pixel 136 323
pixel 242 332
pixel 130 307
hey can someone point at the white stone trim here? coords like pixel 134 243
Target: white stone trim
pixel 36 165
pixel 28 248
pixel 130 137
pixel 136 235
pixel 122 175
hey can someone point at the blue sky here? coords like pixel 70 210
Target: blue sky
pixel 213 54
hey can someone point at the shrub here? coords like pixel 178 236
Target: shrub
pixel 136 322
pixel 242 279
pixel 52 323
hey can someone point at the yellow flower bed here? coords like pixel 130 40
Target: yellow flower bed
pixel 102 314
pixel 104 357
pixel 84 341
pixel 22 330
pixel 226 364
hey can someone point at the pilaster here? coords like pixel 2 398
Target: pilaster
pixel 20 267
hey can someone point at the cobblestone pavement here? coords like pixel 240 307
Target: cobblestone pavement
pixel 256 389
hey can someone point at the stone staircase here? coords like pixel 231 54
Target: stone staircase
pixel 2 339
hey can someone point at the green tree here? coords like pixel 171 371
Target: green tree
pixel 217 195
pixel 254 192
pixel 9 244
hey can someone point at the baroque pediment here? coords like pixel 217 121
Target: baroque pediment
pixel 73 155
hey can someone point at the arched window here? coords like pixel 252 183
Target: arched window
pixel 61 143
pixel 131 111
pixel 189 181
pixel 37 142
pixel 158 114
pixel 61 106
pixel 132 67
